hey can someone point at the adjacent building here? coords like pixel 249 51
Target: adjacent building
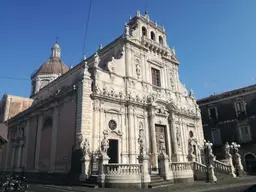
pixel 231 117
pixel 127 87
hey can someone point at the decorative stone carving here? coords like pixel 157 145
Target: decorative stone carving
pixel 111 65
pixel 178 137
pixel 138 68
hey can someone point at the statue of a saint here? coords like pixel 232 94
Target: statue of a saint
pixel 86 147
pixel 105 142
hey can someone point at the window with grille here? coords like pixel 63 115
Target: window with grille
pixel 240 107
pixel 213 113
pixel 216 137
pixel 245 133
pixel 155 77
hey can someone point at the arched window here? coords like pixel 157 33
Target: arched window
pixel 144 31
pixel 152 34
pixel 161 40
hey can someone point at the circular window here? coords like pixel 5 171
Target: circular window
pixel 191 134
pixel 112 125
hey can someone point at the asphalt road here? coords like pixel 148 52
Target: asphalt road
pixel 39 188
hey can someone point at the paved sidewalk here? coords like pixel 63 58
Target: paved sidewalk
pixel 195 187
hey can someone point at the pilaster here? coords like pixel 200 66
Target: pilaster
pixel 84 107
pixel 25 151
pixel 54 137
pixel 169 142
pixel 153 138
pixel 38 141
pixel 124 157
pixel 96 120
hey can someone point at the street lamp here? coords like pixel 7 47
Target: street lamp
pixel 207 153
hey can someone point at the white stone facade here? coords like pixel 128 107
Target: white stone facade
pixel 125 100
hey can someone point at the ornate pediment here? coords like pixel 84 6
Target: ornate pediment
pixel 155 62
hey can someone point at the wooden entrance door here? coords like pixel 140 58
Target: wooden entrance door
pixel 113 151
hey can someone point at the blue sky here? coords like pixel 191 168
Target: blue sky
pixel 215 41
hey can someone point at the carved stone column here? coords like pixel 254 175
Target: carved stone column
pixel 54 138
pixel 84 109
pixel 169 142
pixel 38 141
pixel 154 158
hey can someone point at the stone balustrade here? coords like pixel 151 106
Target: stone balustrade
pixel 123 175
pixel 122 169
pixel 182 172
pixel 222 167
pixel 199 171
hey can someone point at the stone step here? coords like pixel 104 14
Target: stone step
pixel 89 185
pixel 157 181
pixel 163 183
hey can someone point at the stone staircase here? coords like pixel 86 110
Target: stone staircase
pixel 157 181
pixel 91 182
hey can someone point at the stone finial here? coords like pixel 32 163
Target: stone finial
pixel 138 13
pixel 84 57
pixel 96 59
pixel 173 51
pixel 191 93
pixel 163 28
pixel 130 17
pixel 71 66
pixel 100 47
pixel 127 30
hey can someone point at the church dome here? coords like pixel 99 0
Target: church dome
pixel 54 65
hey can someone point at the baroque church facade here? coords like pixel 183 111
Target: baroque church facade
pixel 127 87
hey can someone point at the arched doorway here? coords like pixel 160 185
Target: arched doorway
pixel 250 162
